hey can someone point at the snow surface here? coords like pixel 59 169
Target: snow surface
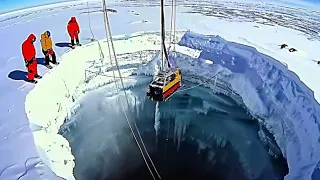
pixel 65 83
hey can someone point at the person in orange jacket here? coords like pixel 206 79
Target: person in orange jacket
pixel 46 45
pixel 73 30
pixel 29 55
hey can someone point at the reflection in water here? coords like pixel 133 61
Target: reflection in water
pixel 200 135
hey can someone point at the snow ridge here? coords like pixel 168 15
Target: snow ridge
pixel 286 104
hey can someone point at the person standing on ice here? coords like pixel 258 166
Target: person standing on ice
pixel 73 30
pixel 29 55
pixel 46 44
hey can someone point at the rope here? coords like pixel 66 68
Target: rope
pixel 92 34
pixel 172 24
pixel 121 80
pixel 108 29
pixel 163 46
pixel 142 76
pixel 90 21
pixel 175 23
pixel 186 89
pixel 93 39
pixel 162 33
pixel 163 36
pixel 118 91
pixel 171 21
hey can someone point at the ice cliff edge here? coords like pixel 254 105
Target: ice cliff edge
pixel 286 104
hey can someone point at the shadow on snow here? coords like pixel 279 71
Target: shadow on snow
pixel 22 75
pixel 63 44
pixel 18 75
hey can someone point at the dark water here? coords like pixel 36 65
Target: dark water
pixel 200 136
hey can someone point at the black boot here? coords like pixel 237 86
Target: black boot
pixel 33 81
pixel 49 66
pixel 37 76
pixel 78 42
pixel 72 43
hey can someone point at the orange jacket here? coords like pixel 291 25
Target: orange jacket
pixel 46 42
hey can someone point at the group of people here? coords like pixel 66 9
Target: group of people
pixel 29 50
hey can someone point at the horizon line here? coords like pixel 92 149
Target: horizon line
pixel 5 13
pixel 40 6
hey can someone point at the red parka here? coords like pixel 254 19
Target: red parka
pixel 73 26
pixel 28 49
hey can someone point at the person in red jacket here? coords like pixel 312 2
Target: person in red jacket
pixel 73 30
pixel 29 55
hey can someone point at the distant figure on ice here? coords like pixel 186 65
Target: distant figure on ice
pixel 73 30
pixel 282 46
pixel 46 44
pixel 292 50
pixel 29 55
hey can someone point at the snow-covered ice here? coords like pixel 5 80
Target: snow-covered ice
pixel 264 84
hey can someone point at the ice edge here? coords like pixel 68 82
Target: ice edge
pixel 278 95
pixel 250 91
